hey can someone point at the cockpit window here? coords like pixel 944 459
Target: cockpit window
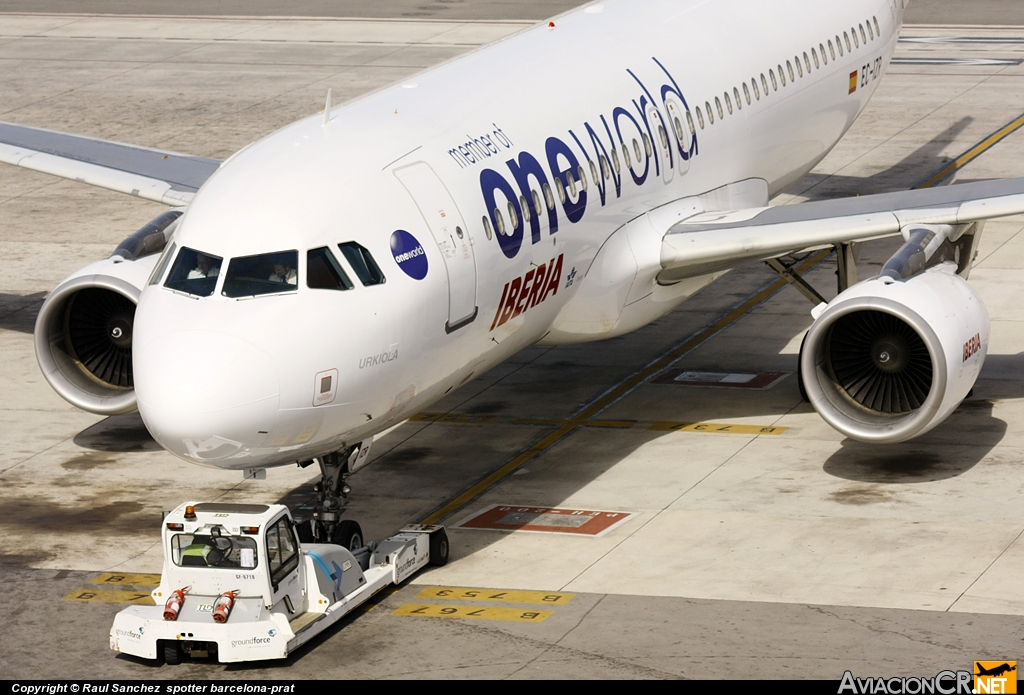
pixel 363 264
pixel 194 272
pixel 217 549
pixel 269 273
pixel 323 271
pixel 161 264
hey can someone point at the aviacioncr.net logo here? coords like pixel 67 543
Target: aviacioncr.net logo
pixel 944 683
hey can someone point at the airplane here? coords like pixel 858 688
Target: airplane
pixel 571 183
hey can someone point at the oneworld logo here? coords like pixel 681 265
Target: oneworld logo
pixel 409 254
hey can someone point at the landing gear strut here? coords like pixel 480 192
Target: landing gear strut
pixel 331 494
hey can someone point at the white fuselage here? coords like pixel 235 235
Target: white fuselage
pixel 240 383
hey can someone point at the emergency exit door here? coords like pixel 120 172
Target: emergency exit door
pixel 452 236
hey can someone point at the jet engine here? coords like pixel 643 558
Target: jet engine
pixel 889 359
pixel 83 334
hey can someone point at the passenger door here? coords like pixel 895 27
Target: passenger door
pixel 452 236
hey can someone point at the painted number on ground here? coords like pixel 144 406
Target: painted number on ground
pixel 454 594
pixel 112 579
pixel 715 427
pixel 472 613
pixel 110 596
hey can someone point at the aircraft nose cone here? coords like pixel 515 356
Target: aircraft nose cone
pixel 206 396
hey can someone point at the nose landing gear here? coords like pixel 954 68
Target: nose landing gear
pixel 332 491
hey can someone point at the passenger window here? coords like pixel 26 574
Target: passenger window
pixel 499 220
pixel 711 114
pixel 846 38
pixel 604 167
pixel 856 41
pixel 625 155
pixel 799 70
pixel 282 552
pixel 789 67
pixel 323 271
pixel 824 56
pixel 832 49
pixel 269 273
pixel 689 122
pixel 572 182
pixel 807 63
pixel 615 161
pixel 536 201
pixel 513 216
pixel 194 272
pixel 728 102
pixel 871 31
pixel 524 206
pixel 560 190
pixel 679 127
pixel 636 149
pixel 583 175
pixel 662 135
pixel 548 198
pixel 700 118
pixel 878 29
pixel 814 54
pixel 736 95
pixel 746 92
pixel 764 84
pixel 362 263
pixel 647 144
pixel 863 36
pixel 775 85
pixel 487 228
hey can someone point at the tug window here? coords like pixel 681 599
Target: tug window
pixel 268 273
pixel 194 272
pixel 216 549
pixel 323 271
pixel 282 551
pixel 362 263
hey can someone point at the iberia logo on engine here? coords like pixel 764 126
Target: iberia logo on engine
pixel 523 294
pixel 972 347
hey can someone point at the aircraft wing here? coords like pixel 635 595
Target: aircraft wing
pixel 712 241
pixel 163 177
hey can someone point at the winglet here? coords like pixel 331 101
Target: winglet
pixel 327 108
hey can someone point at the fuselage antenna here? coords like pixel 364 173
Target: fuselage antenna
pixel 327 108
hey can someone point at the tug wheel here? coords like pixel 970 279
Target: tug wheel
pixel 172 654
pixel 439 548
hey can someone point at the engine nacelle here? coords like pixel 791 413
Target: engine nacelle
pixel 83 333
pixel 888 360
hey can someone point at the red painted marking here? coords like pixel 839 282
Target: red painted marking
pixel 580 522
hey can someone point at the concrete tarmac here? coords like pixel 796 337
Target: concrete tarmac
pixel 752 551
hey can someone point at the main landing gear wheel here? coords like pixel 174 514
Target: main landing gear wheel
pixel 439 548
pixel 348 535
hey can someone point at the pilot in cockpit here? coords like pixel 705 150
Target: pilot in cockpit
pixel 205 268
pixel 283 272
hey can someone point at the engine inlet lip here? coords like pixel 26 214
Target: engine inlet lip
pixel 838 409
pixel 59 370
